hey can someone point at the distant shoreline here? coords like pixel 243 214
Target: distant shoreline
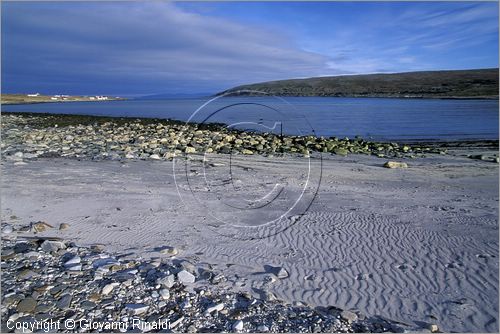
pixel 19 99
pixel 496 97
pixel 454 84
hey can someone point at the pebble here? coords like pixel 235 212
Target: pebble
pixel 64 302
pixel 262 328
pixel 170 251
pixel 52 246
pixel 165 294
pixel 218 307
pixel 185 277
pixel 167 281
pixel 7 229
pixel 106 290
pixel 26 305
pixel 136 309
pixel 63 226
pixel 395 164
pixel 349 316
pixel 88 305
pixel 238 326
pixel 73 261
pixel 282 273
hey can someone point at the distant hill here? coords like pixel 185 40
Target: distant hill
pixel 482 83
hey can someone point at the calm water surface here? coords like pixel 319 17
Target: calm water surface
pixel 375 118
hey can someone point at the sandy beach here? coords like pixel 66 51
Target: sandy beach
pixel 415 245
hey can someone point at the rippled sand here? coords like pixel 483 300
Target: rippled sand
pixel 416 245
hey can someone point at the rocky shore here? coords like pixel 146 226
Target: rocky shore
pixel 30 135
pixel 50 283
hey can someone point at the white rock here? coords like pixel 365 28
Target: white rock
pixel 30 156
pixel 137 308
pixel 74 260
pixel 349 316
pixel 52 246
pixel 130 156
pixel 108 288
pixel 170 251
pixel 76 267
pixel 262 328
pixel 167 281
pixel 281 272
pixel 238 326
pixel 185 277
pixel 165 294
pixel 7 229
pixel 219 307
pixel 18 154
pixel 154 157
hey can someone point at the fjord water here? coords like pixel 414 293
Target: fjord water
pixel 383 119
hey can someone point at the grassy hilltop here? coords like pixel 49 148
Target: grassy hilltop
pixel 481 83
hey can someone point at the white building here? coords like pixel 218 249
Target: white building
pixel 34 95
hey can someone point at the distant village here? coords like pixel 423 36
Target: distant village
pixel 61 97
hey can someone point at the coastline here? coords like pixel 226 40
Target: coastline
pixel 75 119
pixel 21 99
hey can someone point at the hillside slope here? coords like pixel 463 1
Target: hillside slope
pixel 482 83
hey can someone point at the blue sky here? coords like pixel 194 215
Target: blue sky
pixel 139 48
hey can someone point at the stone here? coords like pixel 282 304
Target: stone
pixel 130 156
pixel 340 151
pixel 167 281
pixel 238 326
pixel 262 328
pixel 165 294
pixel 349 316
pixel 26 274
pixel 64 302
pixel 433 328
pixel 40 226
pixel 279 272
pixel 170 251
pixel 185 277
pixel 63 226
pixel 247 152
pixel 21 247
pixel 50 246
pixel 88 305
pixel 218 307
pixel 7 229
pixel 106 290
pixel 154 157
pixel 26 305
pixel 190 149
pixel 73 261
pixel 282 273
pixel 395 164
pixel 136 309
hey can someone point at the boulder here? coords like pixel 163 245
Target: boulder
pixel 395 164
